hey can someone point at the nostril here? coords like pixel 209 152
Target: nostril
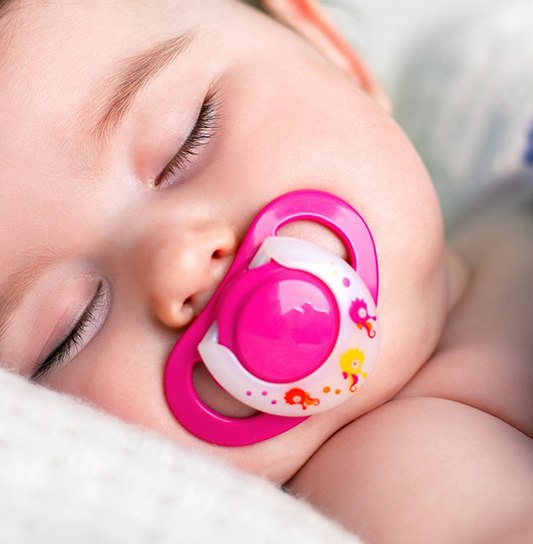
pixel 187 313
pixel 217 254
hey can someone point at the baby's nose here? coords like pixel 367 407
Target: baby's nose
pixel 181 270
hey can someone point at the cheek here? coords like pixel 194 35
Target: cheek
pixel 396 195
pixel 120 372
pixel 403 213
pixel 413 288
pixel 410 226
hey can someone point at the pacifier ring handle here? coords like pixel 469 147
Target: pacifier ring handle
pixel 213 427
pixel 329 211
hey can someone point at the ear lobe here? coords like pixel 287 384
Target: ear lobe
pixel 309 20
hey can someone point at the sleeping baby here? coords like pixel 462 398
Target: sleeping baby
pixel 142 143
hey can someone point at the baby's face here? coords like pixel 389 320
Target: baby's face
pixel 108 252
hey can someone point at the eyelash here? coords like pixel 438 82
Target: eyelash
pixel 74 338
pixel 204 129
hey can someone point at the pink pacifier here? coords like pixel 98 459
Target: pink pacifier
pixel 291 331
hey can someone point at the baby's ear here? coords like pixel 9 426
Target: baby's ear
pixel 309 20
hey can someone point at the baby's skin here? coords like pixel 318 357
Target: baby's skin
pixel 139 140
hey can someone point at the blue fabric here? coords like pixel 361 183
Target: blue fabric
pixel 528 154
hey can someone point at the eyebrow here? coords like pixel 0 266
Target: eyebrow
pixel 115 94
pixel 16 286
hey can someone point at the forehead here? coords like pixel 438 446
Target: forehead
pixel 54 48
pixel 57 39
pixel 51 53
pixel 59 45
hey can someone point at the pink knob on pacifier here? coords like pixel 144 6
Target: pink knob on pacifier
pixel 291 331
pixel 272 311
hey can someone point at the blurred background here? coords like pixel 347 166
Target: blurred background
pixel 385 30
pixel 460 75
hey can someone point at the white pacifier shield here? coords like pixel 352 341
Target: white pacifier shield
pixel 340 374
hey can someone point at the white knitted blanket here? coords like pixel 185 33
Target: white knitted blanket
pixel 72 475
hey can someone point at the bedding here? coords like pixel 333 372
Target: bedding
pixel 70 474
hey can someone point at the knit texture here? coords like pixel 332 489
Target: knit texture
pixel 70 474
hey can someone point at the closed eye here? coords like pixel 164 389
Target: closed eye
pixel 83 331
pixel 204 129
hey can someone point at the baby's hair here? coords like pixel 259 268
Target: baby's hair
pixel 5 5
pixel 256 4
